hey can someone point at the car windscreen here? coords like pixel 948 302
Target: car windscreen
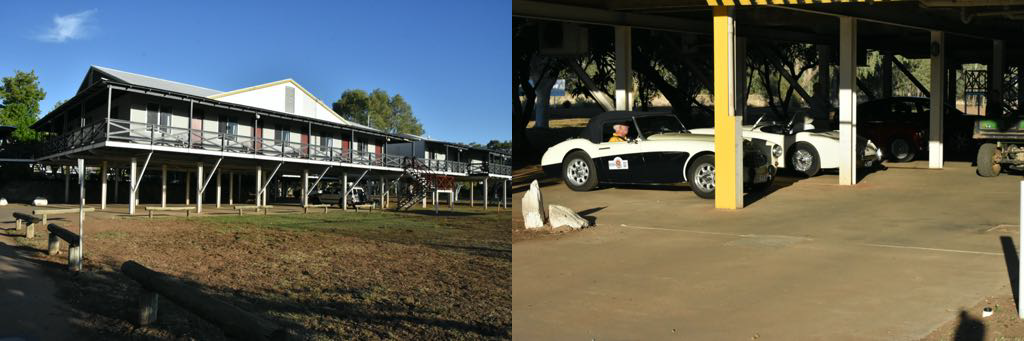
pixel 652 125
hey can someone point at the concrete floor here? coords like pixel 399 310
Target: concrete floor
pixel 890 258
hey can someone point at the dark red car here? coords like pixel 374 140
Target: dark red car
pixel 899 126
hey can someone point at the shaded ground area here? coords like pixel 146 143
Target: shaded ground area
pixel 898 256
pixel 340 275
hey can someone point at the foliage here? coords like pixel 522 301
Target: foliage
pixel 504 146
pixel 376 109
pixel 20 95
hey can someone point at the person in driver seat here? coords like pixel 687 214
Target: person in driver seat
pixel 620 134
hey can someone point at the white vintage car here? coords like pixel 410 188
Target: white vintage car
pixel 808 150
pixel 659 150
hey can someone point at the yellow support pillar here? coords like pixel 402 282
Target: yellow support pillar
pixel 728 137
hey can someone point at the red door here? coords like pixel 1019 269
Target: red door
pixel 197 129
pixel 378 150
pixel 304 139
pixel 257 141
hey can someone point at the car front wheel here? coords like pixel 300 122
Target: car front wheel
pixel 701 176
pixel 804 160
pixel 579 172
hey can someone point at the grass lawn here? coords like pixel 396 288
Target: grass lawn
pixel 340 275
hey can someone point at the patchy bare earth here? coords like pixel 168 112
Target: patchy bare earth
pixel 323 276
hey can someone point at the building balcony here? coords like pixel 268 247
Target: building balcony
pixel 187 140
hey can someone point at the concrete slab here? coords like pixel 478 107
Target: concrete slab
pixel 891 258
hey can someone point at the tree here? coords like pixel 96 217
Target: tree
pixel 20 97
pixel 404 121
pixel 378 110
pixel 353 105
pixel 505 146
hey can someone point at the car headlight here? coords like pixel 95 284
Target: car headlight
pixel 777 151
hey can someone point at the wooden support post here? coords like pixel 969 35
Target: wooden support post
pixel 259 179
pixel 30 231
pixel 218 188
pixel 231 188
pixel 486 194
pixel 67 183
pixel 148 302
pixel 305 188
pixel 17 224
pixel 504 194
pixel 163 187
pixel 188 187
pixel 75 257
pixel 103 185
pixel 53 247
pixel 44 221
pixel 471 202
pixel 199 188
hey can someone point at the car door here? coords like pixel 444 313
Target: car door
pixel 619 162
pixel 663 161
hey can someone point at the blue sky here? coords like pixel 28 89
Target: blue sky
pixel 449 59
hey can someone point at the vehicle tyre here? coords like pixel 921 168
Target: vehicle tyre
pixel 988 160
pixel 901 150
pixel 804 159
pixel 579 172
pixel 701 176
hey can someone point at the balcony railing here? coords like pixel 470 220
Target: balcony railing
pixel 161 135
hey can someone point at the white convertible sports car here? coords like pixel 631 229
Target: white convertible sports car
pixel 808 150
pixel 659 150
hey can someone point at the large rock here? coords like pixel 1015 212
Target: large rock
pixel 559 216
pixel 533 207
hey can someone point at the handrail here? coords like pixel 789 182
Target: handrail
pixel 165 135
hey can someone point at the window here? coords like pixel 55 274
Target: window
pixel 609 130
pixel 325 141
pixel 652 125
pixel 159 114
pixel 281 134
pixel 228 126
pixel 289 100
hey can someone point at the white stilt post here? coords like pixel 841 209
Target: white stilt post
pixel 188 187
pixel 623 68
pixel 103 185
pixel 848 101
pixel 131 186
pixel 81 215
pixel 938 100
pixel 67 184
pixel 486 194
pixel 344 191
pixel 163 185
pixel 231 188
pixel 218 188
pixel 305 187
pixel 259 185
pixel 199 187
pixel 504 194
pixel 1020 251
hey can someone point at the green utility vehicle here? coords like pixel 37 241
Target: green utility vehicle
pixel 1002 144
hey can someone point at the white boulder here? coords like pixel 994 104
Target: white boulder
pixel 3 201
pixel 559 216
pixel 39 201
pixel 533 207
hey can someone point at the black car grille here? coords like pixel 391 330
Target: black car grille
pixel 754 159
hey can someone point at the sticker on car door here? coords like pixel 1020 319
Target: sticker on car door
pixel 618 164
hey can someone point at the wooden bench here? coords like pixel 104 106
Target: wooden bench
pixel 74 245
pixel 55 211
pixel 305 209
pixel 255 208
pixel 235 322
pixel 188 209
pixel 31 220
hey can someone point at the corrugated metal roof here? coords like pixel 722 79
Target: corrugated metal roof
pixel 153 82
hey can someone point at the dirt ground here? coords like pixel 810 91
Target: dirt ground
pixel 339 275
